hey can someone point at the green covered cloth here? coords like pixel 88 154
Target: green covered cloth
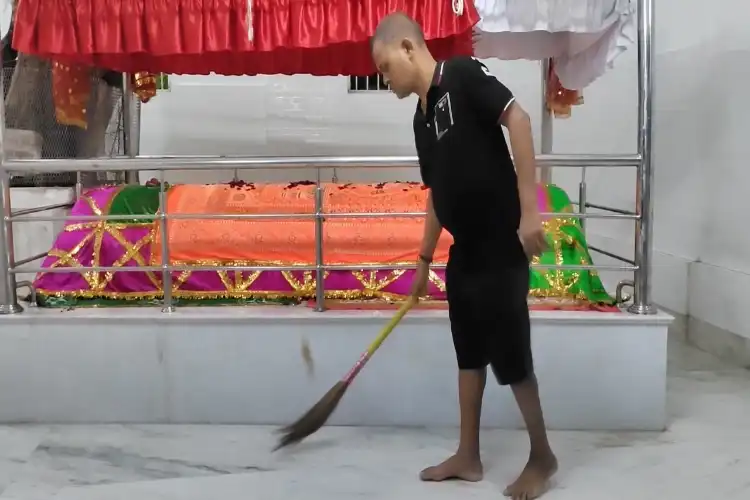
pixel 136 200
pixel 567 246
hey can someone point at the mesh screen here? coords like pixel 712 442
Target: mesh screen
pixel 29 107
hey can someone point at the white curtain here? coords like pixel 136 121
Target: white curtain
pixel 584 37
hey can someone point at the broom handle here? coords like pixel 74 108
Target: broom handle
pixel 365 357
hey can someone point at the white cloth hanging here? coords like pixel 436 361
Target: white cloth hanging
pixel 584 37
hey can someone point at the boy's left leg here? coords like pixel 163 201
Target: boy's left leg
pixel 512 363
pixel 534 481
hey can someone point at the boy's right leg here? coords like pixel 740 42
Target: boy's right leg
pixel 470 349
pixel 466 463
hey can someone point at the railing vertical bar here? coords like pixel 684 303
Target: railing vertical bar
pixel 166 273
pixel 320 293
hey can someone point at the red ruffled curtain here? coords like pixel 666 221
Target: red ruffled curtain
pixel 319 37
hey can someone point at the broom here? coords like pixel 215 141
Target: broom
pixel 316 416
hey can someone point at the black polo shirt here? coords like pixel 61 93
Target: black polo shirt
pixel 465 161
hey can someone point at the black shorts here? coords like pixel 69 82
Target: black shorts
pixel 489 317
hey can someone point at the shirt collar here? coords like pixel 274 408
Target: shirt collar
pixel 437 76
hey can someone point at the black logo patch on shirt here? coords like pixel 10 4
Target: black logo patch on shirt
pixel 443 113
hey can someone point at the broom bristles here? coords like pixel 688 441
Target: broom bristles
pixel 315 417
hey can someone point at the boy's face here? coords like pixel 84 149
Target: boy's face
pixel 395 61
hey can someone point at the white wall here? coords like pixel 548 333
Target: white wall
pixel 6 10
pixel 702 74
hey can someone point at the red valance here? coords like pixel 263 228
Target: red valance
pixel 233 37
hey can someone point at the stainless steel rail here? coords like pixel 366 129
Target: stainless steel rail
pixel 167 163
pixel 313 216
pixel 326 267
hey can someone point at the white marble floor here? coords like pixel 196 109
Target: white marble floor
pixel 704 454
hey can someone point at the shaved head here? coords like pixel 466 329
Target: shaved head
pixel 395 28
pixel 400 53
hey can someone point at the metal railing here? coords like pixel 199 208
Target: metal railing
pixel 10 301
pixel 643 216
pixel 167 163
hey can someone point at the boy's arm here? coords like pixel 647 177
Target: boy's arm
pixel 432 231
pixel 518 123
pixel 432 227
pixel 494 103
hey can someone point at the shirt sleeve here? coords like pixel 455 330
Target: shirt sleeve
pixel 424 164
pixel 485 93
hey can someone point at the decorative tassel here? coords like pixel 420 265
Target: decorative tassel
pixel 144 85
pixel 560 100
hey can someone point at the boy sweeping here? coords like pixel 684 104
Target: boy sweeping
pixel 489 205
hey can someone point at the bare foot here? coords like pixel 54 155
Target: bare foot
pixel 534 481
pixel 456 467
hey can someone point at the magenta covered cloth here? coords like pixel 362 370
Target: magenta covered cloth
pixel 127 244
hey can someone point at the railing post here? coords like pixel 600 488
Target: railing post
pixel 582 199
pixel 320 294
pixel 545 173
pixel 131 118
pixel 642 300
pixel 8 296
pixel 166 273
